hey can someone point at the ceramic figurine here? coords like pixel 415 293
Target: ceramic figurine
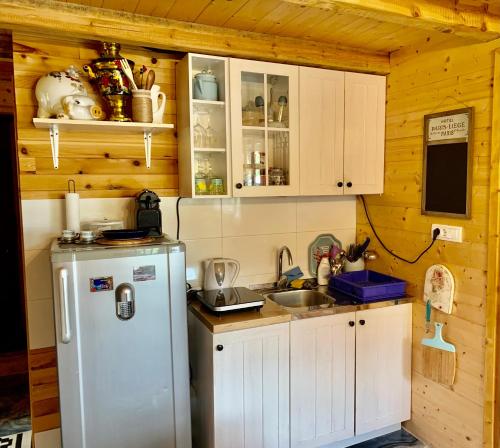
pixel 53 87
pixel 81 107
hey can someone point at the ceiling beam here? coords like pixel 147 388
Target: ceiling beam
pixel 441 16
pixel 54 18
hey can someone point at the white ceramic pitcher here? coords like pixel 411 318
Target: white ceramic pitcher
pixel 158 108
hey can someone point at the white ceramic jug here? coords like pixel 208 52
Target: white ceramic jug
pixel 158 108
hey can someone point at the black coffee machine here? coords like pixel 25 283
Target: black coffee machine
pixel 148 212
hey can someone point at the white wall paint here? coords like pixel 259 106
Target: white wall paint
pixel 249 230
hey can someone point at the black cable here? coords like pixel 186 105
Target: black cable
pixel 178 217
pixel 434 236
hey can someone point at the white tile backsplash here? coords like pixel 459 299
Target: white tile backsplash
pixel 329 212
pixel 257 254
pixel 38 274
pixel 43 219
pixel 200 218
pixel 250 230
pixel 258 217
pixel 41 323
pixel 196 252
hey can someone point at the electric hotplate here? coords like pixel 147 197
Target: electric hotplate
pixel 228 299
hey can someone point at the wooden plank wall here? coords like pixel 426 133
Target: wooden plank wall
pixel 44 390
pixel 7 103
pixel 102 164
pixel 422 83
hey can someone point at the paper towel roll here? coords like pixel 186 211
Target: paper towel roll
pixel 73 212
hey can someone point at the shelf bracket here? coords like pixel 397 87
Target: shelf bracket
pixel 54 143
pixel 147 148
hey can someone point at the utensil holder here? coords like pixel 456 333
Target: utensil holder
pixel 142 106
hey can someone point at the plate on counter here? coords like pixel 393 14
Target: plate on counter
pixel 322 245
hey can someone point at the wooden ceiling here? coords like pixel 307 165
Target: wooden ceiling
pixel 374 25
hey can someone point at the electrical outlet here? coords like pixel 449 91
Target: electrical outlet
pixel 448 233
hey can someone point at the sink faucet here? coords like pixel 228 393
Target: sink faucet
pixel 281 282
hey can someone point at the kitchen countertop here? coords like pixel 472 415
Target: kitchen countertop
pixel 272 313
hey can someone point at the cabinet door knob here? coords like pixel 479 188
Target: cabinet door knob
pixel 340 184
pixel 362 322
pixel 239 185
pixel 219 348
pixel 349 184
pixel 351 323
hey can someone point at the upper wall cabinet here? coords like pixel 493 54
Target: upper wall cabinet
pixel 342 128
pixel 364 138
pixel 203 126
pixel 332 122
pixel 264 126
pixel 321 131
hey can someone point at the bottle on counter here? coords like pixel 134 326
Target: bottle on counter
pixel 323 271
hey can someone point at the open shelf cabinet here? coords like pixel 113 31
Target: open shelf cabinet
pixel 203 130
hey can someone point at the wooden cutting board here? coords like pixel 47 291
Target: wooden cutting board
pixel 439 288
pixel 137 242
pixel 439 358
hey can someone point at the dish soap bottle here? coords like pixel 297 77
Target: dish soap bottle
pixel 323 271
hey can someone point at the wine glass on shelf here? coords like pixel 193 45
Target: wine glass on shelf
pixel 210 135
pixel 199 134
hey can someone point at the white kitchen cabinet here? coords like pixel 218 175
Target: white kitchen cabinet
pixel 322 354
pixel 383 367
pixel 203 129
pixel 350 376
pixel 321 131
pixel 264 128
pixel 342 131
pixel 364 137
pixel 240 386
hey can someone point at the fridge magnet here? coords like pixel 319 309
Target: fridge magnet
pixel 101 284
pixel 144 273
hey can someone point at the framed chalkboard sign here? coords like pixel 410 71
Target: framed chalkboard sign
pixel 447 168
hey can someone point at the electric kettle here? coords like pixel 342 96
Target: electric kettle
pixel 220 273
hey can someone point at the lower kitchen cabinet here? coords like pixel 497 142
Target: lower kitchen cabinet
pixel 322 381
pixel 322 353
pixel 350 375
pixel 240 386
pixel 383 367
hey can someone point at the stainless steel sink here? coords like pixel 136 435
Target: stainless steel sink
pixel 301 299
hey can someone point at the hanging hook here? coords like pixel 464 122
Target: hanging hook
pixel 71 181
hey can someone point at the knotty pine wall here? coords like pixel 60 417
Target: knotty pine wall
pixel 422 83
pixel 102 164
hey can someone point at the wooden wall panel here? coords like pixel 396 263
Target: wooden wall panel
pixel 102 164
pixel 44 389
pixel 419 84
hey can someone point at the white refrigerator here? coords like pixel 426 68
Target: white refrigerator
pixel 120 318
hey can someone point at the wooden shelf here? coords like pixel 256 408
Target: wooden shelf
pixel 55 125
pixel 209 149
pixel 265 128
pixel 209 103
pixel 94 125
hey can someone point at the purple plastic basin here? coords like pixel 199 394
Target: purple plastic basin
pixel 368 285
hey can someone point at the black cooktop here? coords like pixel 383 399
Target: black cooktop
pixel 228 299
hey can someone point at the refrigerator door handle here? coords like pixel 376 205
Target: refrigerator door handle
pixel 63 294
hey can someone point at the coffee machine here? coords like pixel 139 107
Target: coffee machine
pixel 148 214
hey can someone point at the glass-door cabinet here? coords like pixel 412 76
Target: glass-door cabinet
pixel 202 87
pixel 264 128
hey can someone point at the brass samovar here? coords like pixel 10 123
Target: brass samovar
pixel 107 74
